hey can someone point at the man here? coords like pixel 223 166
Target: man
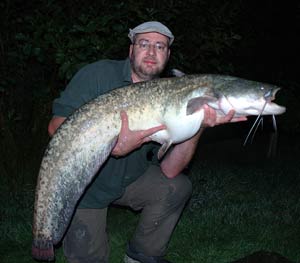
pixel 131 177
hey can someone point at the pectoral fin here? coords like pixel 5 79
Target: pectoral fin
pixel 163 149
pixel 196 103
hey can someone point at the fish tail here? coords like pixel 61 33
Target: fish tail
pixel 42 250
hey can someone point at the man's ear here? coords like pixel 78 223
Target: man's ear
pixel 130 50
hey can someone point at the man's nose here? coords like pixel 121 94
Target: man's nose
pixel 151 50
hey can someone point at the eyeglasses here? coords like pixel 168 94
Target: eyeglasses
pixel 145 45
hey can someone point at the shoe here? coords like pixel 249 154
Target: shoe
pixel 128 259
pixel 132 256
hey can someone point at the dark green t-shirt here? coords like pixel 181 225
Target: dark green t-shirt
pixel 91 81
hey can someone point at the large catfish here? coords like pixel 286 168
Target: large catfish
pixel 85 140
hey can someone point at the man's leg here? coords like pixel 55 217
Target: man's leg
pixel 162 201
pixel 86 239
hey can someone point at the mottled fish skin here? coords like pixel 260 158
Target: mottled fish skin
pixel 85 140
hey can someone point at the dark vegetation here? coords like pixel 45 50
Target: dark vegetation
pixel 43 43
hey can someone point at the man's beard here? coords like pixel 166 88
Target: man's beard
pixel 143 72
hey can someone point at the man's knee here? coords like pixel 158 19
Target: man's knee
pixel 180 188
pixel 86 239
pixel 77 242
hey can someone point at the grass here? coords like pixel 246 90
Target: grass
pixel 237 207
pixel 254 211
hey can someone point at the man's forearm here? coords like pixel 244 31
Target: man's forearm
pixel 180 156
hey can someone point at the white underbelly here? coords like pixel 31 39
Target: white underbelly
pixel 179 128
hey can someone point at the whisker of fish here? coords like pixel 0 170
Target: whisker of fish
pixel 250 132
pixel 255 125
pixel 260 123
pixel 274 123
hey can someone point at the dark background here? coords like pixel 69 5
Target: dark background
pixel 43 43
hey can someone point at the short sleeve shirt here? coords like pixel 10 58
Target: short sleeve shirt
pixel 116 173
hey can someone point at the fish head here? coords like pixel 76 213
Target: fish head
pixel 246 97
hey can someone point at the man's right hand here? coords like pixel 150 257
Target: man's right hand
pixel 54 124
pixel 129 140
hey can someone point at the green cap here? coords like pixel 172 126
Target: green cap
pixel 152 26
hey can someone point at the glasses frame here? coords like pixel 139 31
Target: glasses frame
pixel 145 44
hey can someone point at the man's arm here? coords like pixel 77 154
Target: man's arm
pixel 180 156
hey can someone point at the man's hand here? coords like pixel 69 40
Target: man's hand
pixel 211 119
pixel 177 159
pixel 54 124
pixel 130 140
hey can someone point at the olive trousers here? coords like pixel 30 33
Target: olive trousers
pixel 161 201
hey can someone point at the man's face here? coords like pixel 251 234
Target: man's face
pixel 148 55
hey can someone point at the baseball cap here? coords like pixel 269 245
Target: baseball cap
pixel 151 26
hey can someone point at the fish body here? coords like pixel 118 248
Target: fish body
pixel 85 140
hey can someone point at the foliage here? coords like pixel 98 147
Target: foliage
pixel 68 37
pixel 43 43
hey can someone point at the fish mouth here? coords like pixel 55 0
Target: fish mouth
pixel 270 95
pixel 272 107
pixel 275 108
